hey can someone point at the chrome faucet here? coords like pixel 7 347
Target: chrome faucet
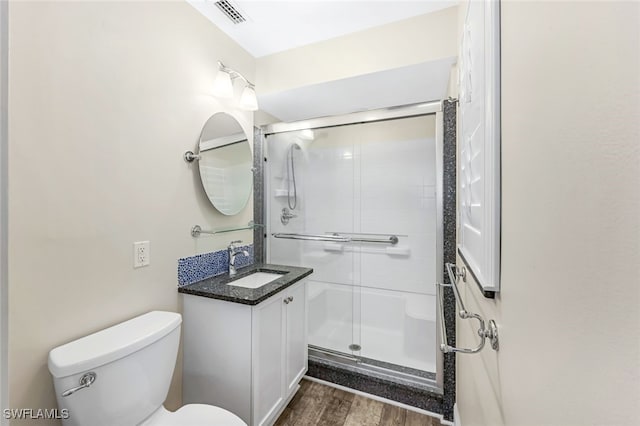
pixel 233 252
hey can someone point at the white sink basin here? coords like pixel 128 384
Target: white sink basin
pixel 255 280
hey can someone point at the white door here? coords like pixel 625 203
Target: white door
pixel 268 358
pixel 296 337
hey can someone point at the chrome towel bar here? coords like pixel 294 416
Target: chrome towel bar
pixel 336 238
pixel 197 230
pixel 490 333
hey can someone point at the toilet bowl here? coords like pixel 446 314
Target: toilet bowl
pixel 193 415
pixel 120 376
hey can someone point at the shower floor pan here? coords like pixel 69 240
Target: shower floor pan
pixel 386 346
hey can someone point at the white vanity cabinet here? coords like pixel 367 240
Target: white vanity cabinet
pixel 246 359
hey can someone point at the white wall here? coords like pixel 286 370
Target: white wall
pixel 105 97
pixel 569 307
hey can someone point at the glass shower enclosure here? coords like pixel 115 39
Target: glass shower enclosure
pixel 356 200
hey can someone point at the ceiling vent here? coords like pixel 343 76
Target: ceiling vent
pixel 230 11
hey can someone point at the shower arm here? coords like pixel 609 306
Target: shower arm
pixel 484 333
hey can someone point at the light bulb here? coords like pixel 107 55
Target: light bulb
pixel 222 86
pixel 248 99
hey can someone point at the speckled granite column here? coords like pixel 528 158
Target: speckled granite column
pixel 258 195
pixel 449 229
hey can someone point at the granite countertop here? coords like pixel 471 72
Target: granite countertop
pixel 218 287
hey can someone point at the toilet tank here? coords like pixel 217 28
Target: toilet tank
pixel 133 362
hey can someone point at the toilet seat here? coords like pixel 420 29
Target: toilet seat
pixel 194 415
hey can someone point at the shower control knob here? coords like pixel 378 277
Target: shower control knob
pixel 286 215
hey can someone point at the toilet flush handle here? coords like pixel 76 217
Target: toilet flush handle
pixel 85 381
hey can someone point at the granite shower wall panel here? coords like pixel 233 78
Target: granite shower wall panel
pixel 202 266
pixel 258 195
pixel 449 229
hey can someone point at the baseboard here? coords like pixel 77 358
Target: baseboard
pixel 381 399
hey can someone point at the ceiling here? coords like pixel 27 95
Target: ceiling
pixel 275 26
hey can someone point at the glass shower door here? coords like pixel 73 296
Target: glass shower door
pixel 396 187
pixel 373 300
pixel 311 178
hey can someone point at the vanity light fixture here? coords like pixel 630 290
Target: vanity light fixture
pixel 248 100
pixel 223 87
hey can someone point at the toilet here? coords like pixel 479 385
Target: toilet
pixel 120 376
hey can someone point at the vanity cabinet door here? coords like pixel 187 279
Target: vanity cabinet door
pixel 268 325
pixel 296 336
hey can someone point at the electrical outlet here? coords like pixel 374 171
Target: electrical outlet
pixel 141 255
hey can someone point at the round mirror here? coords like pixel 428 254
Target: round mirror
pixel 225 163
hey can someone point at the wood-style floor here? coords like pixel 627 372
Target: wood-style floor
pixel 317 404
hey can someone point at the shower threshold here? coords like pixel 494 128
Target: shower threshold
pixel 366 367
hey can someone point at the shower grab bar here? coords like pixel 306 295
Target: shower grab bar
pixel 312 237
pixel 490 333
pixel 335 238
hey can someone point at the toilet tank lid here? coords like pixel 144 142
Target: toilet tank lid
pixel 111 343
